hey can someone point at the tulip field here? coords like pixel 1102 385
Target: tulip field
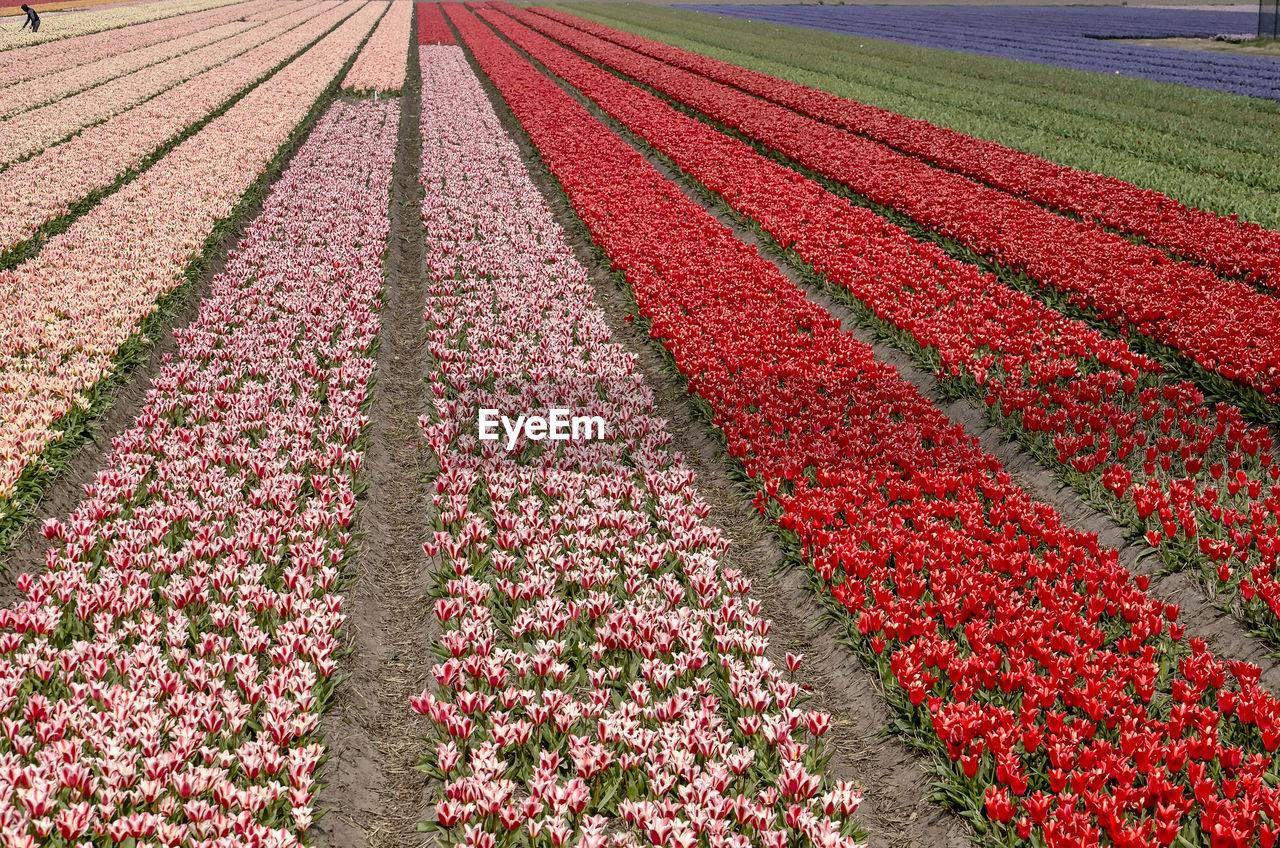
pixel 1070 36
pixel 879 394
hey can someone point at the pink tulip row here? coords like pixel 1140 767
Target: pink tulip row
pixel 606 679
pixel 39 128
pixel 33 63
pixel 36 191
pixel 90 21
pixel 46 89
pixel 162 679
pixel 382 63
pixel 70 308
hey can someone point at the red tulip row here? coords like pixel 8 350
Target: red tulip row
pixel 1228 245
pixel 1029 655
pixel 1198 480
pixel 1224 325
pixel 432 28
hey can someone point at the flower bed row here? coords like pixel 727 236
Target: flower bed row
pixel 40 128
pixel 1225 326
pixel 72 307
pixel 1056 689
pixel 49 184
pixel 1197 479
pixel 432 28
pixel 55 86
pixel 603 679
pixel 25 45
pixel 382 63
pixel 22 64
pixel 162 679
pixel 1227 245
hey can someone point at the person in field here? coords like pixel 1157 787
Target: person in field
pixel 32 18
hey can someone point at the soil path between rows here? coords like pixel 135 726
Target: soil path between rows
pixel 374 797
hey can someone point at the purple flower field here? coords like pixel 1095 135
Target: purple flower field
pixel 1068 36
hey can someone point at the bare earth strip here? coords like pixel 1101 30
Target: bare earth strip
pixel 375 797
pixel 1267 48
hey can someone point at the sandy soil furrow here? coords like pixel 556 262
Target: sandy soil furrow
pixel 375 797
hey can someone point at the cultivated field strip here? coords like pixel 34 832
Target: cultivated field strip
pixel 90 21
pixel 1091 409
pixel 161 681
pixel 1206 149
pixel 46 186
pixel 33 131
pixel 26 63
pixel 1016 648
pixel 581 595
pixel 382 62
pixel 68 310
pixel 1093 39
pixel 51 87
pixel 1227 245
pixel 1225 326
pixel 432 27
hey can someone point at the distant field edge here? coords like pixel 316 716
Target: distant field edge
pixel 1204 148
